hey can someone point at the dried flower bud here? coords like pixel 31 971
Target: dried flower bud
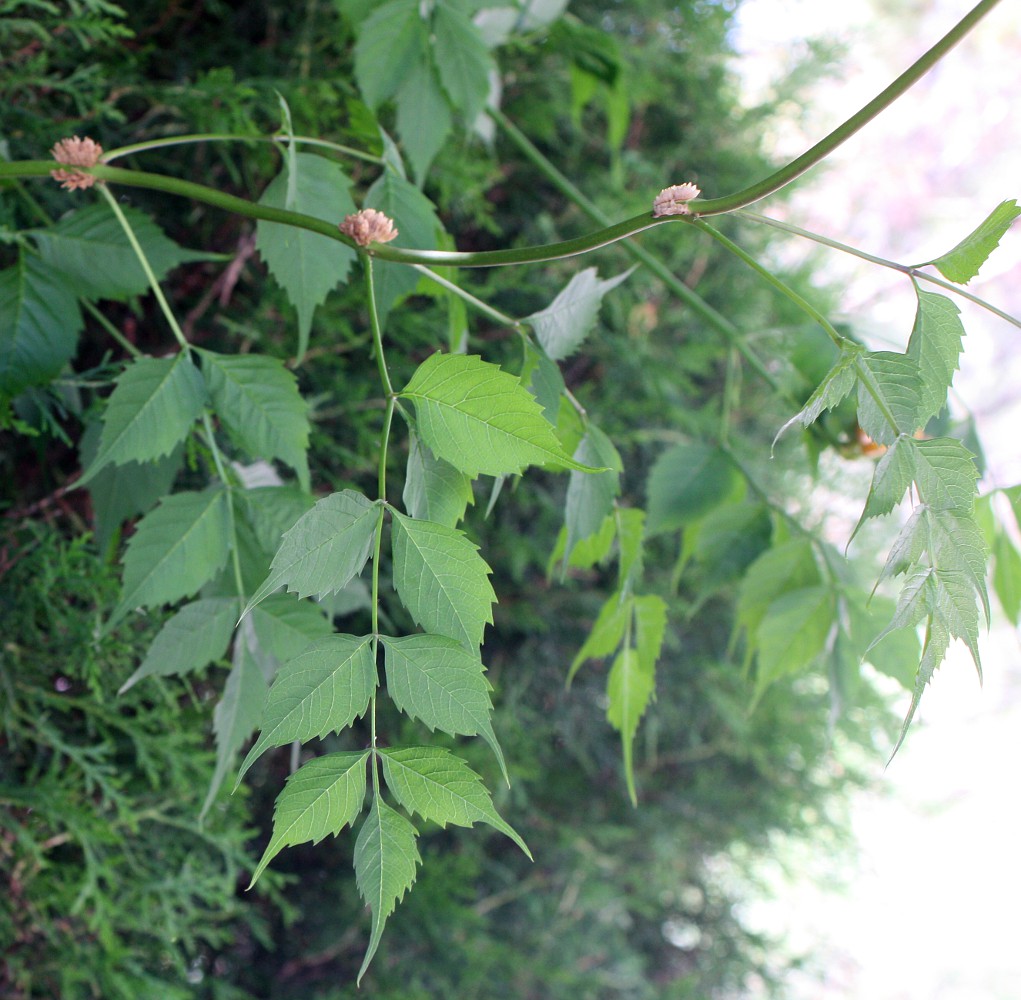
pixel 75 152
pixel 673 200
pixel 368 226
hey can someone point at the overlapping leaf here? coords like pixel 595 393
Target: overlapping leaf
pixel 889 395
pixel 321 797
pixel 321 690
pixel 285 625
pixel 151 410
pixel 257 400
pixel 590 496
pixel 326 547
pixel 686 482
pixel 433 678
pixel 480 419
pixel 433 489
pixel 441 787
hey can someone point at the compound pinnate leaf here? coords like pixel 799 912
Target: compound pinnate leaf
pixel 442 580
pixel 565 323
pixel 257 400
pixel 386 862
pixel 321 690
pixel 320 798
pixel 326 547
pixel 963 262
pixel 194 637
pixel 433 678
pixel 176 548
pixel 481 419
pixel 935 346
pixel 152 408
pixel 441 787
pixel 629 688
pixel 39 325
pixel 307 265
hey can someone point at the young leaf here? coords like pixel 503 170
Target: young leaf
pixel 326 547
pixel 257 399
pixel 176 548
pixel 433 489
pixel 95 260
pixel 441 787
pixel 650 627
pixel 150 411
pixel 606 634
pixel 565 323
pixel 630 538
pixel 963 262
pixel 307 265
pixel 386 860
pixel 321 690
pixel 39 325
pixel 889 395
pixel 463 61
pixel 687 482
pixel 442 580
pixel 285 625
pixel 480 419
pixel 433 678
pixel 630 687
pixel 590 496
pixel 237 714
pixel 838 382
pixel 793 633
pixel 935 346
pixel 320 798
pixel 196 636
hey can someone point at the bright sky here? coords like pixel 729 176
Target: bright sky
pixel 931 913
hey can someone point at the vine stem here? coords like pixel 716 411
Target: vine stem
pixel 914 272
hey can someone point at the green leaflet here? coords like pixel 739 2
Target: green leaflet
pixel 839 381
pixel 480 419
pixel 889 395
pixel 386 861
pixel 326 547
pixel 433 678
pixel 782 568
pixel 893 475
pixel 320 798
pixel 433 489
pixel 176 548
pixel 238 712
pixel 686 482
pixel 391 42
pixel 424 120
pixel 442 580
pixel 39 325
pixel 629 687
pixel 590 496
pixel 272 511
pixel 417 226
pixel 321 690
pixel 196 636
pixel 1007 577
pixel 441 787
pixel 257 400
pixel 935 346
pixel 462 59
pixel 151 410
pixel 544 381
pixel 792 633
pixel 307 265
pixel 94 259
pixel 945 474
pixel 285 625
pixel 606 635
pixel 963 262
pixel 564 324
pixel 631 539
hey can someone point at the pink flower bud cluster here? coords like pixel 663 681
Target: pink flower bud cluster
pixel 75 152
pixel 368 226
pixel 674 200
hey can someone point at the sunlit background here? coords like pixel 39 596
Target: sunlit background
pixel 929 911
